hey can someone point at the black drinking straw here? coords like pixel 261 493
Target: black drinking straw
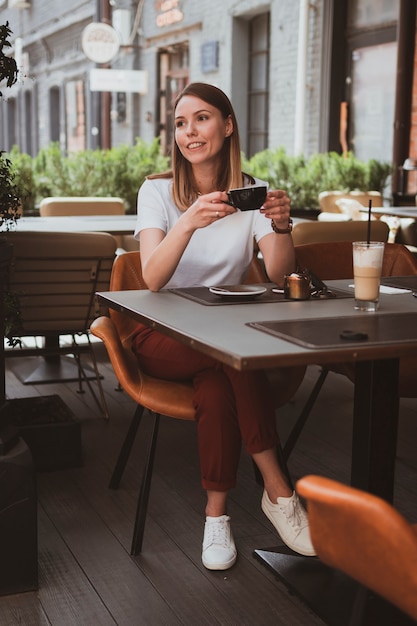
pixel 369 222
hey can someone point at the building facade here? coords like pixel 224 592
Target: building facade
pixel 309 76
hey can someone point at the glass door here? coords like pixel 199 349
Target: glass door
pixel 173 77
pixel 372 101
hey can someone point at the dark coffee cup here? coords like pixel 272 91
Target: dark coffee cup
pixel 247 198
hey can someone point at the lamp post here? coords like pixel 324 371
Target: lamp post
pixel 105 95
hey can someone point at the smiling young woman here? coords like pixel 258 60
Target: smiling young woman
pixel 190 235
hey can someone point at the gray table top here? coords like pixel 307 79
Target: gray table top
pixel 223 331
pixel 396 211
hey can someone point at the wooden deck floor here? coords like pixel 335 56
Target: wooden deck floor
pixel 86 574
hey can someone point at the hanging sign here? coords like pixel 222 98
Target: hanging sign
pixel 100 42
pixel 169 12
pixel 128 81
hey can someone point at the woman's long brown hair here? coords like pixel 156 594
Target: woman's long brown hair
pixel 230 167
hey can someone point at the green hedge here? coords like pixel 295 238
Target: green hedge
pixel 304 178
pixel 117 172
pixel 121 170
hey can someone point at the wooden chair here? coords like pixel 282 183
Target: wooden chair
pixel 55 277
pixel 159 397
pixel 332 261
pixel 314 232
pixel 80 205
pixel 85 205
pixel 365 537
pixel 327 199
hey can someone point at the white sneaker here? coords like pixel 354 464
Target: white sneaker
pixel 219 550
pixel 290 520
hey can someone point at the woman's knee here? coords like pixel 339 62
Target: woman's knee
pixel 213 392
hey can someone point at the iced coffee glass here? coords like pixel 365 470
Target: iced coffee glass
pixel 367 267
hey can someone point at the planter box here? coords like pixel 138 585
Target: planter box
pixel 50 430
pixel 18 521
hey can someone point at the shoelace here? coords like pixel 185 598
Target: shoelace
pixel 295 514
pixel 217 533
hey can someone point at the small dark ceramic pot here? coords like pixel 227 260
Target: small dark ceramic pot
pixel 297 287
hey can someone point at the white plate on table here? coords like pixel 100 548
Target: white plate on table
pixel 238 291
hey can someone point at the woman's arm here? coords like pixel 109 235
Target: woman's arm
pixel 278 249
pixel 161 253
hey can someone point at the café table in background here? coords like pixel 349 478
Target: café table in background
pixel 113 224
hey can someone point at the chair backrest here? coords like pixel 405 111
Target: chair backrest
pixel 80 205
pixel 159 395
pixel 365 537
pixel 126 274
pixel 56 275
pixel 256 272
pixel 334 260
pixel 312 232
pixel 85 205
pixel 327 199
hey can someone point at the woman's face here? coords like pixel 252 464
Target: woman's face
pixel 200 130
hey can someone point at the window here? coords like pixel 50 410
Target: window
pixel 173 77
pixel 366 13
pixel 363 76
pixel 373 101
pixel 28 122
pixel 258 96
pixel 370 86
pixel 75 115
pixel 54 109
pixel 11 123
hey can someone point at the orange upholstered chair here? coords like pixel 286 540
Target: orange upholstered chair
pixel 365 537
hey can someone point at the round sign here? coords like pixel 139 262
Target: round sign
pixel 100 42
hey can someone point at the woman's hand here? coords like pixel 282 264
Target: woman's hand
pixel 277 251
pixel 277 207
pixel 208 208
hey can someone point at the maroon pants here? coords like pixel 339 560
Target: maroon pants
pixel 231 406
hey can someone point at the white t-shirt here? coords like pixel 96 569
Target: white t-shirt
pixel 219 254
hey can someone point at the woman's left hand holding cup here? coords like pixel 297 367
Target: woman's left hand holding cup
pixel 277 207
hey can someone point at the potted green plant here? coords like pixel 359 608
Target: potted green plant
pixel 9 194
pixel 9 197
pixel 9 212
